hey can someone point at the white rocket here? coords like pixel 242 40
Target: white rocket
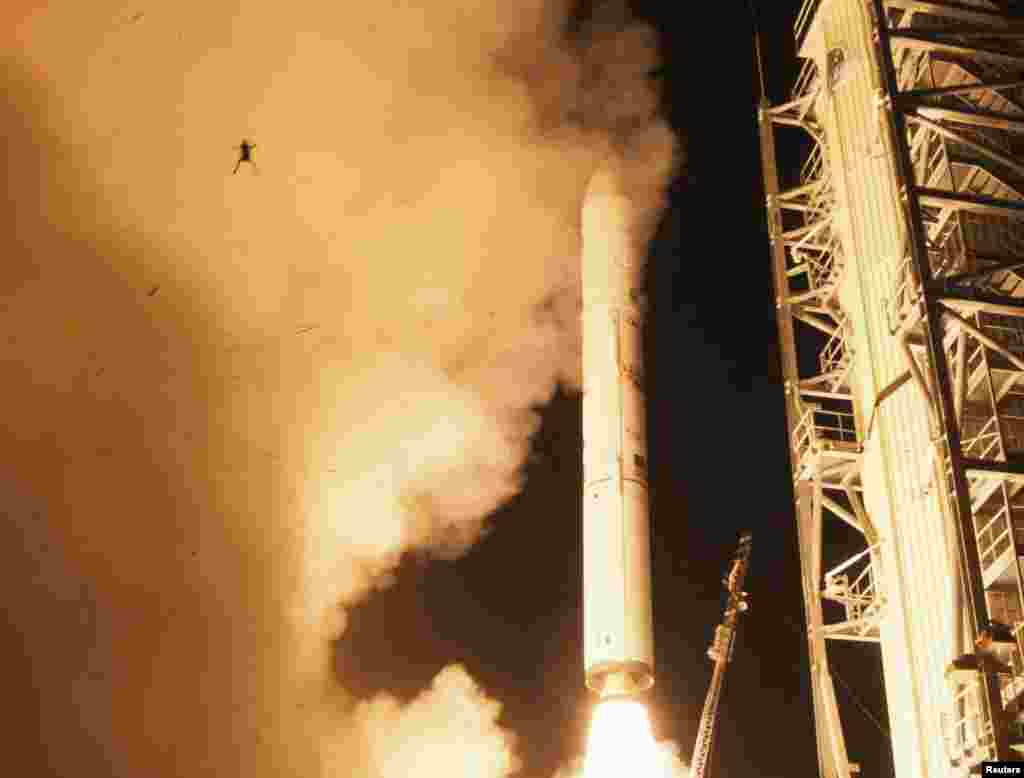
pixel 618 646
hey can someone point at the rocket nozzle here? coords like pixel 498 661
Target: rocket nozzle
pixel 618 679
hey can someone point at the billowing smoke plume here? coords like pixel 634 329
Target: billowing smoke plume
pixel 234 401
pixel 451 725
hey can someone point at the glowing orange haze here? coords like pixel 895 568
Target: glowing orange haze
pixel 234 401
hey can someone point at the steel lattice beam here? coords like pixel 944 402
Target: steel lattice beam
pixel 977 301
pixel 954 10
pixel 913 97
pixel 1003 471
pixel 941 198
pixel 926 41
pixel 969 553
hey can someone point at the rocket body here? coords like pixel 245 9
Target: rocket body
pixel 618 644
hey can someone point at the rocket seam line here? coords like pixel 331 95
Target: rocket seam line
pixel 619 473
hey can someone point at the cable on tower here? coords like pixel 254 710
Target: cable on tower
pixel 861 705
pixel 751 4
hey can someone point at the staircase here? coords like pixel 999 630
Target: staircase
pixel 990 236
pixel 987 100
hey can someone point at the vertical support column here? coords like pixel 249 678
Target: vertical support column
pixel 971 565
pixel 832 758
pixel 783 313
pixel 960 399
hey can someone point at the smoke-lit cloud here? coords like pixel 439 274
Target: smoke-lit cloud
pixel 452 727
pixel 234 401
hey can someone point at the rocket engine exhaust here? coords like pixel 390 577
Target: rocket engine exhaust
pixel 618 646
pixel 621 743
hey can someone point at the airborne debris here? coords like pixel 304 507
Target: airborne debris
pixel 154 290
pixel 245 155
pixel 124 21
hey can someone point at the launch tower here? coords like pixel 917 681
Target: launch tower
pixel 898 261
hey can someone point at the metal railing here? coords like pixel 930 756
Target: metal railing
pixel 820 429
pixel 820 263
pixel 906 293
pixel 1018 635
pixel 982 443
pixel 805 80
pixel 817 248
pixel 1011 686
pixel 975 364
pixel 970 738
pixel 946 254
pixel 802 441
pixel 814 166
pixel 834 426
pixel 929 154
pixel 995 537
pixel 860 596
pixel 835 357
pixel 819 245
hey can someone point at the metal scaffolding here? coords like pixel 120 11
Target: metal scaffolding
pixel 898 256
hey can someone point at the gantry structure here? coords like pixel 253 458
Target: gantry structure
pixel 898 261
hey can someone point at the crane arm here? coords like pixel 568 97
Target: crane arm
pixel 720 652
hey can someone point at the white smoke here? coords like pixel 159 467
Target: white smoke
pixel 433 461
pixel 451 726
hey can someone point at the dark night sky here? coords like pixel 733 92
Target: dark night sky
pixel 511 609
